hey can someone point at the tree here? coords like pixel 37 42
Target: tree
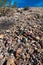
pixel 4 3
pixel 15 3
pixel 10 3
pixel 0 2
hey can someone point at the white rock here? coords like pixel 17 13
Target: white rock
pixel 1 36
pixel 1 56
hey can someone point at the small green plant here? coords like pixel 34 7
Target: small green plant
pixel 15 4
pixel 0 2
pixel 4 3
pixel 10 3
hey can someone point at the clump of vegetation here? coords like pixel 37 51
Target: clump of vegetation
pixel 0 3
pixel 15 4
pixel 4 2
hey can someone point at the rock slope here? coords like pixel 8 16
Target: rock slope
pixel 21 36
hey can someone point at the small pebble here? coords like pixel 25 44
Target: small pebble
pixel 1 36
pixel 38 38
pixel 18 51
pixel 1 56
pixel 10 61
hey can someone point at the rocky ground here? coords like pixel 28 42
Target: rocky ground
pixel 21 36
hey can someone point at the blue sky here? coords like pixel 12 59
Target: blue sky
pixel 23 3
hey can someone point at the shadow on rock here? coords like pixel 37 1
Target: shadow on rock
pixel 6 24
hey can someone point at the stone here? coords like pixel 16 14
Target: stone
pixel 27 56
pixel 28 33
pixel 8 31
pixel 23 40
pixel 10 61
pixel 18 51
pixel 9 40
pixel 38 38
pixel 1 56
pixel 1 36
